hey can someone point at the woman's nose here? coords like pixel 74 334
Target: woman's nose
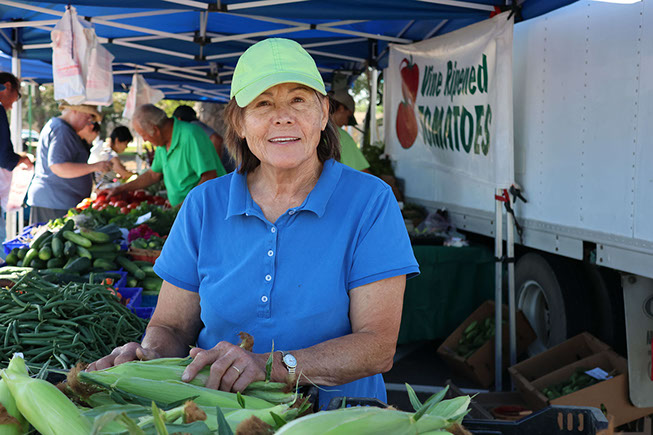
pixel 283 115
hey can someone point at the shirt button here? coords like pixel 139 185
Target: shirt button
pixel 270 253
pixel 268 278
pixel 274 230
pixel 264 299
pixel 291 212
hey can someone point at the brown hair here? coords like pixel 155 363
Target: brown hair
pixel 328 148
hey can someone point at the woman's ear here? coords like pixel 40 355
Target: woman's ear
pixel 325 112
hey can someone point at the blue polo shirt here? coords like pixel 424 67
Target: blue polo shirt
pixel 287 281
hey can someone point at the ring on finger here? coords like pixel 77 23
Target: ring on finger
pixel 236 368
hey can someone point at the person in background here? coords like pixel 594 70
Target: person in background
pixel 184 157
pixel 9 159
pixel 343 108
pixel 187 114
pixel 117 144
pixel 284 248
pixel 62 175
pixel 88 134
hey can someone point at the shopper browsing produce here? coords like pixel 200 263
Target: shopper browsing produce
pixel 62 176
pixel 307 255
pixel 184 158
pixel 116 145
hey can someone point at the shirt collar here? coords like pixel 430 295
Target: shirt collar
pixel 174 138
pixel 241 202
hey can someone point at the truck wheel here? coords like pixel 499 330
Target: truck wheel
pixel 552 293
pixel 608 322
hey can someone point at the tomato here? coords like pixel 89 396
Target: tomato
pixel 409 80
pixel 406 125
pixel 96 205
pixel 139 194
pixel 120 203
pixel 124 210
pixel 102 207
pixel 101 198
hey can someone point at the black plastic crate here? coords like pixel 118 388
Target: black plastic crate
pixel 552 420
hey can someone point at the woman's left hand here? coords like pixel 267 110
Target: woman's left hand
pixel 232 368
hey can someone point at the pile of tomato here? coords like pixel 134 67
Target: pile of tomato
pixel 125 201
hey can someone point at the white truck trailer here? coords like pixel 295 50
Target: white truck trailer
pixel 583 157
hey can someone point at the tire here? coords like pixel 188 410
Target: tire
pixel 553 293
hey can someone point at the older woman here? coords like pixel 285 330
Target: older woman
pixel 307 255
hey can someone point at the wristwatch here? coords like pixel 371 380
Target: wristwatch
pixel 289 361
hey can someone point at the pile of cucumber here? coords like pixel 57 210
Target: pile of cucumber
pixel 577 381
pixel 147 280
pixel 474 336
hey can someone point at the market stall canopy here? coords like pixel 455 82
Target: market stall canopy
pixel 189 48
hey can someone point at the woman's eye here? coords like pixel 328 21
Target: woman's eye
pixel 262 103
pixel 298 100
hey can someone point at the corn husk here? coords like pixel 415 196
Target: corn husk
pixel 12 421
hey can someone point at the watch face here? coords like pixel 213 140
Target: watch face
pixel 289 360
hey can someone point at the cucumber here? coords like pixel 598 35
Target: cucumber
pixel 132 282
pixel 69 249
pixel 36 243
pixel 95 236
pixel 130 267
pixel 14 251
pixel 83 252
pixel 31 255
pixel 12 259
pixel 22 252
pixel 78 265
pixel 149 271
pixel 45 253
pixel 112 230
pixel 68 226
pixel 77 239
pixel 52 270
pixel 37 263
pixel 55 263
pixel 105 247
pixel 152 284
pixel 105 255
pixel 142 264
pixel 103 264
pixel 57 246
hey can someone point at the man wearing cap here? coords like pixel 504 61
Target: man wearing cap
pixel 343 114
pixel 184 157
pixel 62 176
pixel 9 159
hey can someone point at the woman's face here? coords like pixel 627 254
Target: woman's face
pixel 283 125
pixel 119 146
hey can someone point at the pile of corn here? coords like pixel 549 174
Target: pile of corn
pixel 148 398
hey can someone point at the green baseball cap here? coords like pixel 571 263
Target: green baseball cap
pixel 271 62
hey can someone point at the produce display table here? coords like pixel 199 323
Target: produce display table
pixel 453 282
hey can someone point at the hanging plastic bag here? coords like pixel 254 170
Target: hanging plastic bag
pixel 140 93
pixel 66 63
pixel 99 75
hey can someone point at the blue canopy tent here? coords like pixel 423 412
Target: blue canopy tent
pixel 189 48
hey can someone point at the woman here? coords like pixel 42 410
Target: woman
pixel 305 254
pixel 118 142
pixel 88 134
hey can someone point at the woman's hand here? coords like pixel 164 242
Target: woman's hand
pixel 232 368
pixel 129 352
pixel 103 167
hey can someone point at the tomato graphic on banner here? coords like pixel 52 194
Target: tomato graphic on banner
pixel 406 122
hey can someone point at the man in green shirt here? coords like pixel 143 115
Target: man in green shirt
pixel 184 157
pixel 343 115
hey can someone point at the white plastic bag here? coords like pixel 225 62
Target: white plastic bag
pixel 66 63
pixel 140 93
pixel 81 65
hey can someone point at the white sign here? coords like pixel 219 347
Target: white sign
pixel 450 102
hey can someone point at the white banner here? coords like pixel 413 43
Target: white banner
pixel 449 102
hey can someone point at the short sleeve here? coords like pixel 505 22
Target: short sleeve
pixel 157 163
pixel 177 263
pixel 203 157
pixel 62 145
pixel 383 248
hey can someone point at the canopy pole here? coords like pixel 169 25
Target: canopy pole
pixel 510 254
pixel 498 253
pixel 14 224
pixel 373 91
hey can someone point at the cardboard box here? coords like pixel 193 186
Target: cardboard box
pixel 560 362
pixel 480 365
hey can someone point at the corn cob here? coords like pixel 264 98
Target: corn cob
pixel 41 403
pixel 12 421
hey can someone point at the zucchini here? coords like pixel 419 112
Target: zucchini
pixel 103 264
pixel 55 263
pixel 77 265
pixel 130 267
pixel 77 239
pixel 22 252
pixel 69 249
pixel 83 252
pixel 31 255
pixel 57 246
pixel 95 236
pixel 37 263
pixel 36 243
pixel 45 253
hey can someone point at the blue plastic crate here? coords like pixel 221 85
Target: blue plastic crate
pixel 18 242
pixel 144 312
pixel 149 300
pixel 133 294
